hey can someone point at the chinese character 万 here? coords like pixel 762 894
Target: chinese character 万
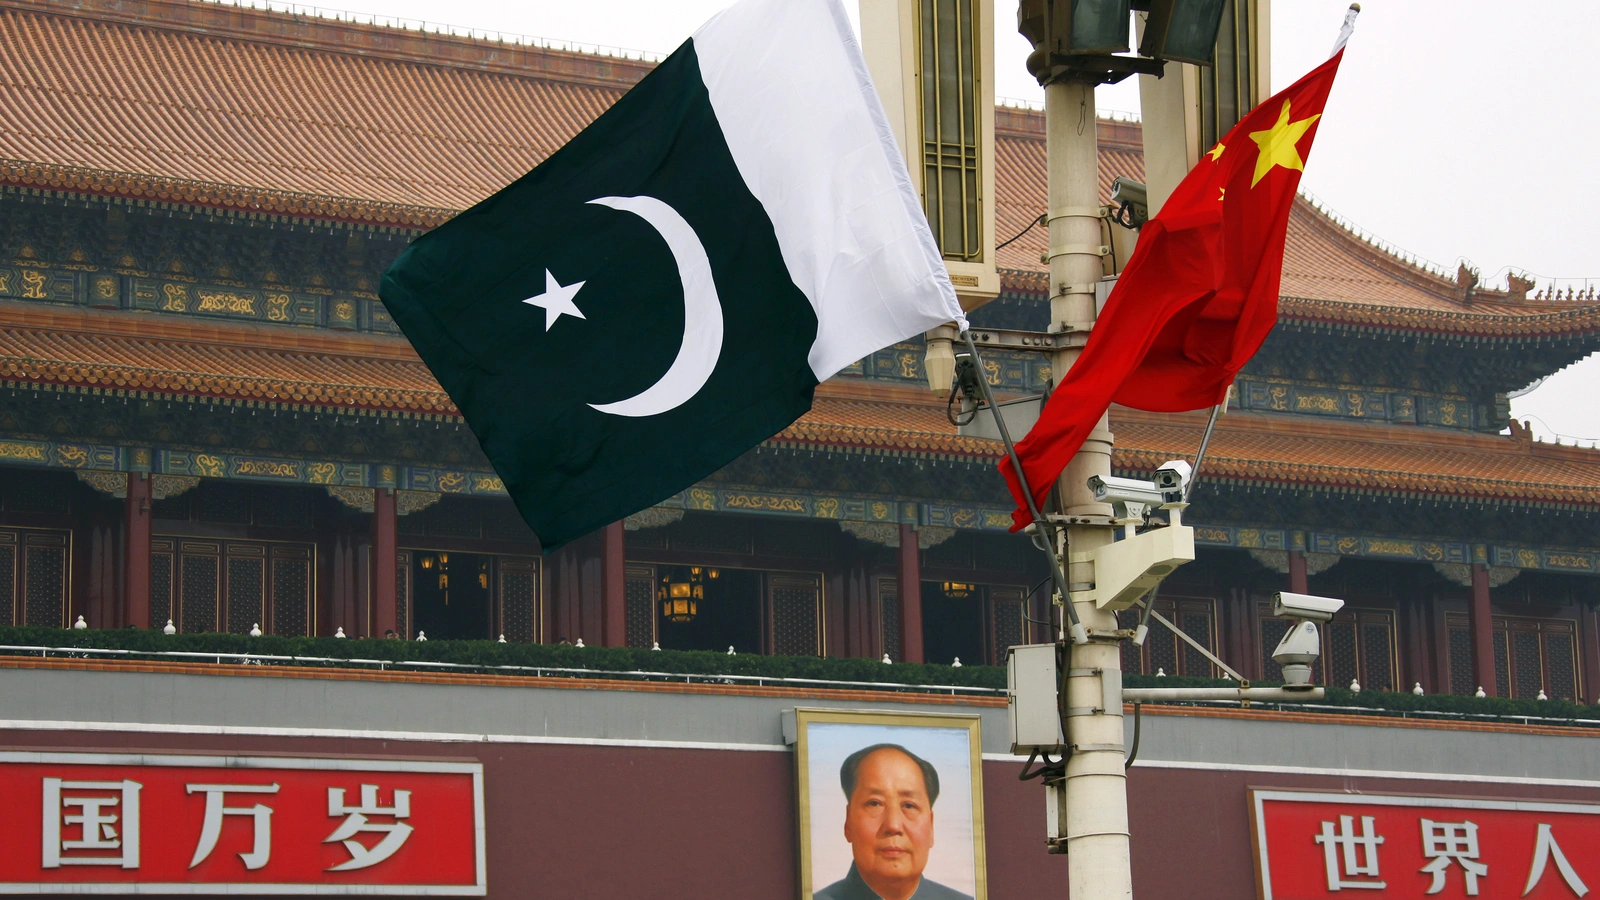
pixel 394 834
pixel 211 828
pixel 1346 866
pixel 1443 842
pixel 106 820
pixel 1543 850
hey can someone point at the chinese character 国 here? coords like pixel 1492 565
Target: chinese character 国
pixel 106 820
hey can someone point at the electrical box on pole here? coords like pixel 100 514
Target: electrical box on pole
pixel 1033 679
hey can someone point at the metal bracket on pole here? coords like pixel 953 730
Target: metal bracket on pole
pixel 1194 643
pixel 1041 524
pixel 1194 476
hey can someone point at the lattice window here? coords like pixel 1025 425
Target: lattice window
pixel 1502 666
pixel 1561 662
pixel 1339 642
pixel 1529 667
pixel 402 594
pixel 198 586
pixel 502 522
pixel 1132 657
pixel 1198 621
pixel 161 557
pixel 718 534
pixel 796 604
pixel 1377 655
pixel 44 578
pixel 1462 677
pixel 224 502
pixel 638 604
pixel 519 597
pixel 453 517
pixel 1161 647
pixel 291 591
pixel 1006 625
pixel 247 585
pixel 889 618
pixel 39 492
pixel 284 507
pixel 8 577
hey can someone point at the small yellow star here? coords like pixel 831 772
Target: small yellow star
pixel 1221 194
pixel 1216 151
pixel 1277 144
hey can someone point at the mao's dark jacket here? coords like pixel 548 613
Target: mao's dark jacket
pixel 852 887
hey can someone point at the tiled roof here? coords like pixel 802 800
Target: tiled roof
pixel 263 112
pixel 164 355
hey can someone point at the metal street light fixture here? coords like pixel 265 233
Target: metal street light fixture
pixel 1080 39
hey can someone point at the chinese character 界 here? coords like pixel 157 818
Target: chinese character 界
pixel 1443 842
pixel 1545 848
pixel 1348 868
pixel 97 820
pixel 211 829
pixel 394 834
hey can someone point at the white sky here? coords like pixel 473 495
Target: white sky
pixel 1459 129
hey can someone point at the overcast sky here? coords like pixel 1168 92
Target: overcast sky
pixel 1458 130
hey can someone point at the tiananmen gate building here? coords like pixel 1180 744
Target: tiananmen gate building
pixel 208 417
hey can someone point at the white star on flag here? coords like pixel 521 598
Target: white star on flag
pixel 556 301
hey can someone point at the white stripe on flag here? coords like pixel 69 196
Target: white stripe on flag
pixel 808 133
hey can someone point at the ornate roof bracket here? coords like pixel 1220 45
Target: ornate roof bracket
pixel 654 517
pixel 1461 573
pixel 357 498
pixel 113 483
pixel 1278 561
pixel 165 486
pixel 408 502
pixel 888 534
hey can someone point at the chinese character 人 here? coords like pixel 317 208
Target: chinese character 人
pixel 1444 842
pixel 1546 848
pixel 1351 859
pixel 106 820
pixel 394 833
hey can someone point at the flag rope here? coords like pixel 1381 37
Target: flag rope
pixel 1041 524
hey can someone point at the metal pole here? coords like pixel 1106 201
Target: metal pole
pixel 1096 786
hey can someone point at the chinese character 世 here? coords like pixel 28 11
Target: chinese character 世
pixel 1444 842
pixel 97 823
pixel 394 834
pixel 211 828
pixel 1543 850
pixel 1346 867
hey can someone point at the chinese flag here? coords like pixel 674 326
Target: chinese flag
pixel 1199 294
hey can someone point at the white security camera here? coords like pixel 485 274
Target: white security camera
pixel 1171 478
pixel 1111 489
pixel 1301 646
pixel 1305 606
pixel 1297 652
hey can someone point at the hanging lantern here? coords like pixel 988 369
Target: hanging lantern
pixel 956 590
pixel 680 597
pixel 427 562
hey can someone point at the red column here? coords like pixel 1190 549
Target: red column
pixel 613 585
pixel 1297 572
pixel 910 571
pixel 1482 630
pixel 385 571
pixel 136 552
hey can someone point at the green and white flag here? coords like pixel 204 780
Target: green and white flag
pixel 666 291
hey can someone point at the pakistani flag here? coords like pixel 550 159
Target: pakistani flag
pixel 666 291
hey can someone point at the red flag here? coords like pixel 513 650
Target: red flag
pixel 1200 293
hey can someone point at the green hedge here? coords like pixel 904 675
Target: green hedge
pixel 625 659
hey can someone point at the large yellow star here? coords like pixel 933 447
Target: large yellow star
pixel 1216 151
pixel 1277 144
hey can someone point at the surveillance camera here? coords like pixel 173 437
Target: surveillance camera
pixel 1298 650
pixel 1171 478
pixel 1305 606
pixel 1111 489
pixel 1132 202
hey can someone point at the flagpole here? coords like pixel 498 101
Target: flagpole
pixel 1079 635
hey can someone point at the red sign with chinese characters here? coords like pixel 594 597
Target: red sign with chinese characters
pixel 102 823
pixel 1316 845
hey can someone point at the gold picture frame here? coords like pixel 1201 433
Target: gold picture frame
pixel 952 745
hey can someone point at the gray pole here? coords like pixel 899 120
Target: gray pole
pixel 1096 787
